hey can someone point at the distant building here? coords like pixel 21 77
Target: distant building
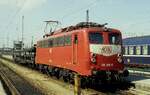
pixel 18 45
pixel 6 50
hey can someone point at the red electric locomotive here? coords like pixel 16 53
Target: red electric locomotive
pixel 88 48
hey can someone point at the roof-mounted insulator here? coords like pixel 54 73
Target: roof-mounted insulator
pixel 82 25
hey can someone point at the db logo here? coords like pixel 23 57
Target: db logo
pixel 106 50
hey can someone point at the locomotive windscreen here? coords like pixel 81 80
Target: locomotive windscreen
pixel 114 38
pixel 95 38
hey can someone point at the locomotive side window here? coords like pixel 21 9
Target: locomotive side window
pixel 42 44
pixel 61 41
pixel 55 42
pixel 68 40
pixel 114 38
pixel 75 39
pixel 58 39
pixel 38 44
pixel 95 38
pixel 50 42
pixel 46 43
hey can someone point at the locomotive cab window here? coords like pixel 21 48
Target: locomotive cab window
pixel 114 38
pixel 95 38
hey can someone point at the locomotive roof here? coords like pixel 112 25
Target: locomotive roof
pixel 82 25
pixel 137 40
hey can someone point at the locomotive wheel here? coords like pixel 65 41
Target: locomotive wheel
pixel 29 64
pixel 65 79
pixel 37 67
pixel 84 82
pixel 49 70
pixel 33 65
pixel 53 72
pixel 57 74
pixel 71 78
pixel 46 70
pixel 71 81
pixel 41 68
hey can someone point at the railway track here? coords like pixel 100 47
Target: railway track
pixel 16 85
pixel 141 72
pixel 123 89
pixel 11 88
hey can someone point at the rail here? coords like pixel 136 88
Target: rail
pixel 8 83
pixel 140 72
pixel 133 89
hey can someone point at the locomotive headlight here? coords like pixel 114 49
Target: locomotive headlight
pixel 119 58
pixel 93 58
pixel 93 55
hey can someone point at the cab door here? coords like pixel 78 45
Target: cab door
pixel 75 49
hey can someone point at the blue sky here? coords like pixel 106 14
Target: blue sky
pixel 132 17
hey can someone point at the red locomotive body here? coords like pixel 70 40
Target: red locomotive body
pixel 85 49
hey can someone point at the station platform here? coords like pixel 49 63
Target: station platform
pixel 141 79
pixel 140 72
pixel 141 82
pixel 7 56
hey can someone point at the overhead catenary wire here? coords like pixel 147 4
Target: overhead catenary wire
pixel 87 7
pixel 80 9
pixel 15 14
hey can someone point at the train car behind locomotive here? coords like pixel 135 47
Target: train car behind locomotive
pixel 23 55
pixel 137 51
pixel 89 49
